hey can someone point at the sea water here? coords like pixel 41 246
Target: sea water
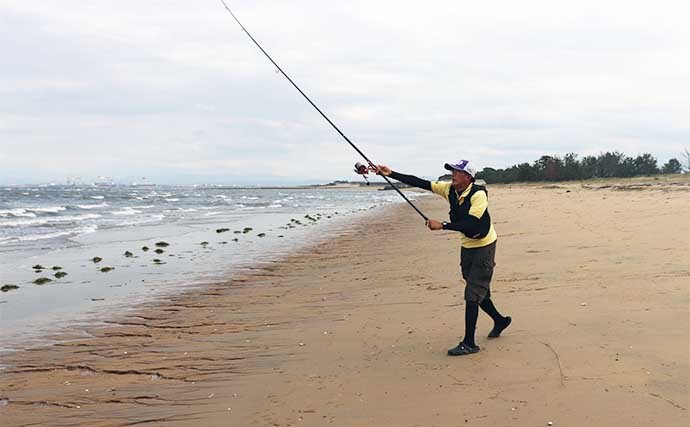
pixel 68 226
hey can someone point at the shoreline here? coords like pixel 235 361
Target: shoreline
pixel 91 299
pixel 353 331
pixel 139 274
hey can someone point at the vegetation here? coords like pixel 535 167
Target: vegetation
pixel 570 167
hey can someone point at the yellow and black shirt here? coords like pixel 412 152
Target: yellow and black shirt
pixel 469 213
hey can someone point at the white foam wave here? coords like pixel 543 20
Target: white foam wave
pixel 152 218
pixel 42 221
pixel 33 237
pixel 50 209
pixel 126 211
pixel 19 212
pixel 98 197
pixel 100 205
pixel 172 200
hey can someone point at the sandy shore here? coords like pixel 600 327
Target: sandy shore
pixel 354 332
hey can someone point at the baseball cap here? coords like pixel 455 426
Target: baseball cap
pixel 462 165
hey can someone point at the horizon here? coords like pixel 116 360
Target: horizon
pixel 256 183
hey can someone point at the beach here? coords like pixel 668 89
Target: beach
pixel 353 331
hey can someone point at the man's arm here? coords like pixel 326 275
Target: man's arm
pixel 469 225
pixel 406 179
pixel 411 180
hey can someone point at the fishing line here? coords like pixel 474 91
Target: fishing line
pixel 371 164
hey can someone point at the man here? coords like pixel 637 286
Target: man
pixel 469 215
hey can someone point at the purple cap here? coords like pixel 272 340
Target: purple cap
pixel 462 165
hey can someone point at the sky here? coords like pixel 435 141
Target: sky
pixel 173 91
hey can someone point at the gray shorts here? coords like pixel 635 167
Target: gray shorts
pixel 477 266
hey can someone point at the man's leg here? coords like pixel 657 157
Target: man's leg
pixel 467 345
pixel 471 315
pixel 485 270
pixel 500 322
pixel 489 308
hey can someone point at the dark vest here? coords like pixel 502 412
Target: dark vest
pixel 461 210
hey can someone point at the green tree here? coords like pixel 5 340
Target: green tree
pixel 571 167
pixel 548 168
pixel 645 165
pixel 626 167
pixel 525 172
pixel 672 166
pixel 608 164
pixel 490 175
pixel 588 167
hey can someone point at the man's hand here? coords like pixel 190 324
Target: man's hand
pixel 434 225
pixel 383 170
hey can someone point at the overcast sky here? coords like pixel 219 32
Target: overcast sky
pixel 174 91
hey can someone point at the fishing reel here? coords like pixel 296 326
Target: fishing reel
pixel 362 169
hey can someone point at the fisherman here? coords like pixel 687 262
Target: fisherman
pixel 469 215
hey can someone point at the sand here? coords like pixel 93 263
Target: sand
pixel 354 331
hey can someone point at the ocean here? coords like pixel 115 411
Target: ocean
pixel 123 246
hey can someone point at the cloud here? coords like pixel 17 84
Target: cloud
pixel 174 90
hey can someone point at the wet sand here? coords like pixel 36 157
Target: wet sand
pixel 354 331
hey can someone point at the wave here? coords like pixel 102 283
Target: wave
pixel 152 218
pixel 126 211
pixel 100 205
pixel 51 209
pixel 18 212
pixel 98 197
pixel 33 237
pixel 43 221
pixel 172 200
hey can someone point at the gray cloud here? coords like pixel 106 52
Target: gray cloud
pixel 176 92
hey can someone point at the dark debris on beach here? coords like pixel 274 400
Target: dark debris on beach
pixel 162 244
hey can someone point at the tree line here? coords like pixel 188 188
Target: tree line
pixel 570 167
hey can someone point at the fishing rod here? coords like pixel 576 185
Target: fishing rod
pixel 359 168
